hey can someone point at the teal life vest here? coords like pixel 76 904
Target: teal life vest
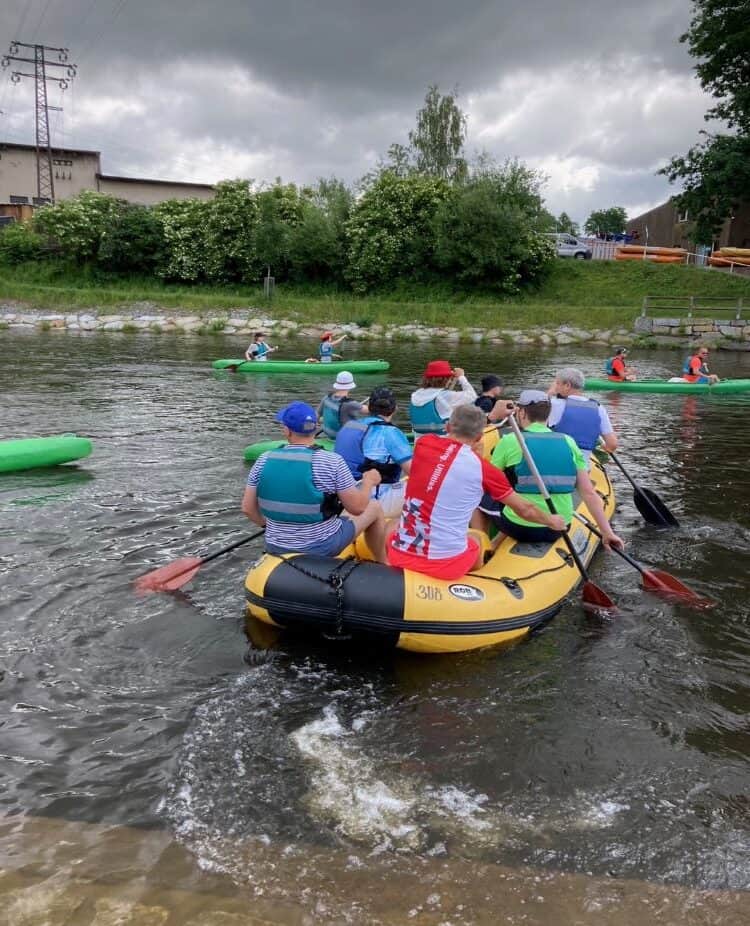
pixel 686 365
pixel 425 419
pixel 608 368
pixel 332 409
pixel 554 460
pixel 326 352
pixel 286 491
pixel 262 350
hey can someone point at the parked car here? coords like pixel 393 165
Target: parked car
pixel 570 246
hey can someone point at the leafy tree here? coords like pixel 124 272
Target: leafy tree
pixel 20 243
pixel 390 231
pixel 280 209
pixel 133 243
pixel 184 227
pixel 610 221
pixel 76 226
pixel 230 233
pixel 488 231
pixel 317 243
pixel 564 223
pixel 438 139
pixel 715 172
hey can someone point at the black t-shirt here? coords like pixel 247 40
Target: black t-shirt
pixel 486 402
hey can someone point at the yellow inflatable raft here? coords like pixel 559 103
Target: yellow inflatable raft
pixel 520 588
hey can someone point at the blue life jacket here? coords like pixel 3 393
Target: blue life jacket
pixel 554 460
pixel 262 350
pixel 326 351
pixel 686 365
pixel 608 368
pixel 702 370
pixel 286 491
pixel 581 421
pixel 332 414
pixel 349 443
pixel 425 419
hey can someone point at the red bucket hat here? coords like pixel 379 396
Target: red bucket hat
pixel 438 368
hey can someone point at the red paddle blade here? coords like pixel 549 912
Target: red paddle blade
pixel 170 577
pixel 664 584
pixel 597 600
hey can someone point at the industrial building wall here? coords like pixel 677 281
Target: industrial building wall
pixel 72 171
pixel 150 192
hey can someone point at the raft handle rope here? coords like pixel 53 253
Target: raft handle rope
pixel 336 580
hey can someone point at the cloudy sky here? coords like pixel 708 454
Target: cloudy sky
pixel 596 94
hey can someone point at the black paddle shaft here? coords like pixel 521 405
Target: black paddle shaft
pixel 232 546
pixel 569 543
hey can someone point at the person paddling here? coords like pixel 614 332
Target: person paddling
pixel 446 482
pixel 562 467
pixel 695 369
pixel 259 349
pixel 431 405
pixel 374 442
pixel 616 369
pixel 489 398
pixel 577 415
pixel 337 408
pixel 325 350
pixel 298 491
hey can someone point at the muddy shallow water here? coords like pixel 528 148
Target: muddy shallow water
pixel 150 774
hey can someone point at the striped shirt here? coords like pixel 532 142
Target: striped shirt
pixel 330 474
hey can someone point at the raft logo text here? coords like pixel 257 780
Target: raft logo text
pixel 466 592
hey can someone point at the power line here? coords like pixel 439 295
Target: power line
pixel 41 19
pixel 116 10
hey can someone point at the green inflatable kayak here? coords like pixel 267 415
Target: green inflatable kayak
pixel 33 452
pixel 725 387
pixel 299 366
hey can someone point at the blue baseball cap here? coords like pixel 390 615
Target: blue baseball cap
pixel 299 417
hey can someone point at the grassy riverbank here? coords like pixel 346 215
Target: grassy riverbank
pixel 600 294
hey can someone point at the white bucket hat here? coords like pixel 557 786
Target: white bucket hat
pixel 344 380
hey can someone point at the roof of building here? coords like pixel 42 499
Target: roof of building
pixel 56 149
pixel 117 179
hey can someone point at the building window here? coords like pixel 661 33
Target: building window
pixel 41 200
pixel 683 216
pixel 18 199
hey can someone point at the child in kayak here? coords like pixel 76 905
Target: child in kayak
pixel 325 351
pixel 259 350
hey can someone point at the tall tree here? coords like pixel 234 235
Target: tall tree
pixel 564 223
pixel 606 221
pixel 715 173
pixel 438 139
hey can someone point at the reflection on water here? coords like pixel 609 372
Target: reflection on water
pixel 150 775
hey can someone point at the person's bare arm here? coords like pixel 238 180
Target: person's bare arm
pixel 609 442
pixel 356 499
pixel 250 506
pixel 406 467
pixel 594 503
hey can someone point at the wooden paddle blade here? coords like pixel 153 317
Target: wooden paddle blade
pixel 655 580
pixel 597 600
pixel 170 577
pixel 652 508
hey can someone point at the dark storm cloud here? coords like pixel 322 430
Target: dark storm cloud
pixel 599 91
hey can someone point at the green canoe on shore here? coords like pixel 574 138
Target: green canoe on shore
pixel 33 452
pixel 725 387
pixel 299 366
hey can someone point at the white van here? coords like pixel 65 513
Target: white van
pixel 570 246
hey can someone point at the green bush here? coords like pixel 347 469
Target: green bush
pixel 77 226
pixel 134 242
pixel 20 243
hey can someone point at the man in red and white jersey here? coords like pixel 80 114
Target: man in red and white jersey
pixel 446 482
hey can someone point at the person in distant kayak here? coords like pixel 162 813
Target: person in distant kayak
pixel 577 415
pixel 616 369
pixel 259 350
pixel 374 442
pixel 337 408
pixel 431 405
pixel 447 480
pixel 695 369
pixel 298 493
pixel 325 350
pixel 489 398
pixel 562 467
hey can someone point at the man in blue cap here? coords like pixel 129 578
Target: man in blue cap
pixel 299 491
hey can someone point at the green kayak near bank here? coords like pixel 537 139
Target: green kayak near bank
pixel 299 366
pixel 33 452
pixel 725 387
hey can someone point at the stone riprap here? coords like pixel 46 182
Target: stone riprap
pixel 147 318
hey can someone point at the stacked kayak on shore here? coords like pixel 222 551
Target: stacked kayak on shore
pixel 34 452
pixel 520 588
pixel 300 366
pixel 653 254
pixel 727 257
pixel 725 387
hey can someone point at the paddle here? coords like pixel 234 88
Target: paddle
pixel 174 575
pixel 648 503
pixel 594 598
pixel 655 580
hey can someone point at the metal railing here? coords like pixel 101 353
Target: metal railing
pixel 693 305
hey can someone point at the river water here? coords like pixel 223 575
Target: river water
pixel 164 763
